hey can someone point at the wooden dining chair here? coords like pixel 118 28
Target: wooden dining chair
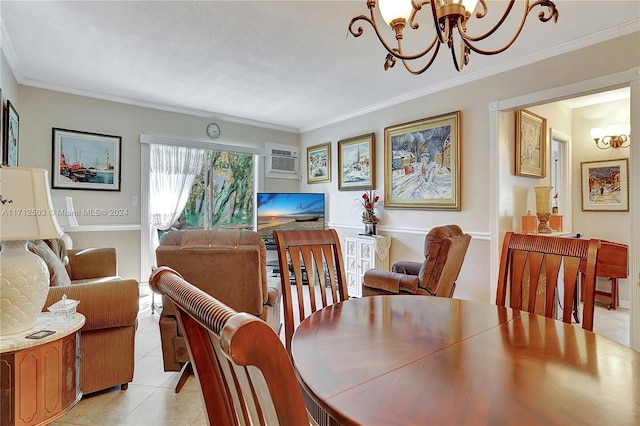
pixel 245 374
pixel 312 261
pixel 540 259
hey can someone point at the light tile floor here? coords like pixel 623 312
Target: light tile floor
pixel 151 400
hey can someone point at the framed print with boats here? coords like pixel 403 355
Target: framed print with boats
pixel 357 163
pixel 84 160
pixel 422 164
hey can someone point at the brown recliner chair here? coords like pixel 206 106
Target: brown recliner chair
pixel 444 249
pixel 230 265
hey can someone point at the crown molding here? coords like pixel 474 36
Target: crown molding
pixel 579 43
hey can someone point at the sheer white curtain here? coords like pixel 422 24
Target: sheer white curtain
pixel 172 172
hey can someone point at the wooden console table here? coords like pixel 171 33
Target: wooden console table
pixel 40 377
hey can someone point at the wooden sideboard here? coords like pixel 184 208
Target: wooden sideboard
pixel 40 377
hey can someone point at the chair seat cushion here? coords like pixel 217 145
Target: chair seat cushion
pixel 390 282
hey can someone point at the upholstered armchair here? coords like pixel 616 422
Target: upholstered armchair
pixel 444 249
pixel 228 264
pixel 109 304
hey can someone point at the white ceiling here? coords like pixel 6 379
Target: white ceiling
pixel 285 64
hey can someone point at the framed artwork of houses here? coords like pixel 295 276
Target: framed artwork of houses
pixel 605 185
pixel 84 160
pixel 356 163
pixel 319 163
pixel 531 144
pixel 422 163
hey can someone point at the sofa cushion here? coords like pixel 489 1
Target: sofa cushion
pixel 58 275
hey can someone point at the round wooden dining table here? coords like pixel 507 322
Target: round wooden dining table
pixel 418 360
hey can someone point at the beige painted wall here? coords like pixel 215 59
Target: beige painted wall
pixel 473 99
pixel 8 84
pixel 612 226
pixel 41 110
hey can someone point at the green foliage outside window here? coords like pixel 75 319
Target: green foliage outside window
pixel 226 185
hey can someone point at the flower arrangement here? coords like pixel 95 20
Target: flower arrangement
pixel 369 201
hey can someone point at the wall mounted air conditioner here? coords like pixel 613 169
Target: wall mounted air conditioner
pixel 281 161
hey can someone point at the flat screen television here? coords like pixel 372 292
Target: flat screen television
pixel 288 211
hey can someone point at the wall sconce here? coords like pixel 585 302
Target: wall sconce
pixel 616 137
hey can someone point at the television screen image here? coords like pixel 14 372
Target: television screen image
pixel 288 211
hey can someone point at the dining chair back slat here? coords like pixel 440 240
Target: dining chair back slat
pixel 245 374
pixel 533 266
pixel 311 263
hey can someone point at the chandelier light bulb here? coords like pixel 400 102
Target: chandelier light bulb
pixel 469 5
pixel 392 10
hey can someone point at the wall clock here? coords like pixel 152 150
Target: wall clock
pixel 213 130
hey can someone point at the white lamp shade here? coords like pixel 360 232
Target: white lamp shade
pixel 596 132
pixel 394 9
pixel 26 211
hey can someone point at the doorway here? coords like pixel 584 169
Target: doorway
pixel 501 160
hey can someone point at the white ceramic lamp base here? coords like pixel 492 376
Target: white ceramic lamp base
pixel 24 287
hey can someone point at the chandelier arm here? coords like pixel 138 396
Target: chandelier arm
pixel 492 30
pixel 483 12
pixel 402 56
pixel 395 51
pixel 427 65
pixel 552 13
pixel 459 63
pixel 416 8
pixel 442 37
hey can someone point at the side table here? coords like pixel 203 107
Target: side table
pixel 40 378
pixel 361 253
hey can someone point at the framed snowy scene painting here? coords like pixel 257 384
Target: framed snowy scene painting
pixel 422 164
pixel 357 163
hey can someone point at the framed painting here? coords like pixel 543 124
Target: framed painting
pixel 84 160
pixel 11 136
pixel 357 163
pixel 422 164
pixel 531 144
pixel 605 185
pixel 319 163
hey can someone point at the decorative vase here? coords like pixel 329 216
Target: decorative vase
pixel 543 208
pixel 370 228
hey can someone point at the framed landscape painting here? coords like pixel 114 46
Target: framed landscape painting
pixel 531 144
pixel 422 163
pixel 605 185
pixel 356 163
pixel 319 163
pixel 84 160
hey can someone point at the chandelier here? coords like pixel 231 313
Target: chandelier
pixel 450 18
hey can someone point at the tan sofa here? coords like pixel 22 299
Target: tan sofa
pixel 228 264
pixel 110 306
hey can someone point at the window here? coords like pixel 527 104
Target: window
pixel 222 194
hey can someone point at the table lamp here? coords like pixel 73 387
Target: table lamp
pixel 25 214
pixel 543 208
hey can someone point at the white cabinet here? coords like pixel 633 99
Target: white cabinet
pixel 361 253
